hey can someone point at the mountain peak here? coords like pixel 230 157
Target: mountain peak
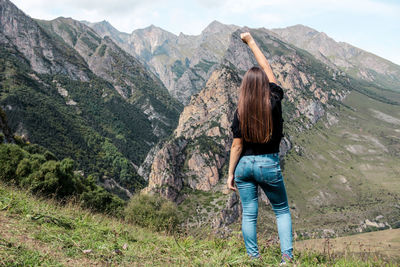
pixel 217 27
pixel 153 29
pixel 299 28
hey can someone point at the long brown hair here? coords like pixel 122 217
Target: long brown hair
pixel 254 107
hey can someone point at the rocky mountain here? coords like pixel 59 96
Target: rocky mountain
pixel 354 61
pixel 183 62
pixel 81 96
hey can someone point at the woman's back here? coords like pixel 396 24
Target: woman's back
pixel 272 146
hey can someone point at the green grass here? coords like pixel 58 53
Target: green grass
pixel 39 232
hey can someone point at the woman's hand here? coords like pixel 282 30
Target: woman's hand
pixel 246 37
pixel 231 183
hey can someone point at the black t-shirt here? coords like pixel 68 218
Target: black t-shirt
pixel 272 146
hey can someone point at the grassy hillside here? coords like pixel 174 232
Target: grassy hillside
pixel 345 169
pixel 42 232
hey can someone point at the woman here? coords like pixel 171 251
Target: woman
pixel 254 156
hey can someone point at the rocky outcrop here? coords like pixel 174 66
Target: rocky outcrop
pixel 199 146
pixel 165 176
pixel 376 224
pixel 228 215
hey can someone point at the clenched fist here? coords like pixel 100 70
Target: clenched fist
pixel 246 37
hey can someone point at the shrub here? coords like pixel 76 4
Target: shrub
pixel 153 211
pixel 98 199
pixel 10 156
pixel 43 174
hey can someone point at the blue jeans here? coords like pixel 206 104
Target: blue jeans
pixel 264 171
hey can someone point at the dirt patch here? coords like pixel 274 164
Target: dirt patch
pixel 375 142
pixel 385 117
pixel 356 149
pixel 385 242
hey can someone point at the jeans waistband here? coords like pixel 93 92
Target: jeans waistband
pixel 264 155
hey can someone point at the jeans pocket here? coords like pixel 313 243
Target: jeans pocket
pixel 269 174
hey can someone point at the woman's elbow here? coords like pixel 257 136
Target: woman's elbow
pixel 237 146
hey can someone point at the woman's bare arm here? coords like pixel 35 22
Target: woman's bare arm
pixel 236 150
pixel 261 59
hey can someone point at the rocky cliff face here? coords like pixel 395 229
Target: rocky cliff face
pixel 354 61
pixel 198 148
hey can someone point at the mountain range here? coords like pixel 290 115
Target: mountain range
pixel 151 111
pixel 66 88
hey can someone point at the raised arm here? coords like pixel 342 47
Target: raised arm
pixel 261 59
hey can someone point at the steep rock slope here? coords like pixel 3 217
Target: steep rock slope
pixel 199 145
pixel 45 55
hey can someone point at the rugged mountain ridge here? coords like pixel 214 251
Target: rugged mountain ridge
pixel 354 61
pixel 183 62
pixel 156 46
pixel 185 159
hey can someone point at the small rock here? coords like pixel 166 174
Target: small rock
pixel 87 251
pixel 372 224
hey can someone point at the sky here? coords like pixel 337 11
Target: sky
pixel 371 25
